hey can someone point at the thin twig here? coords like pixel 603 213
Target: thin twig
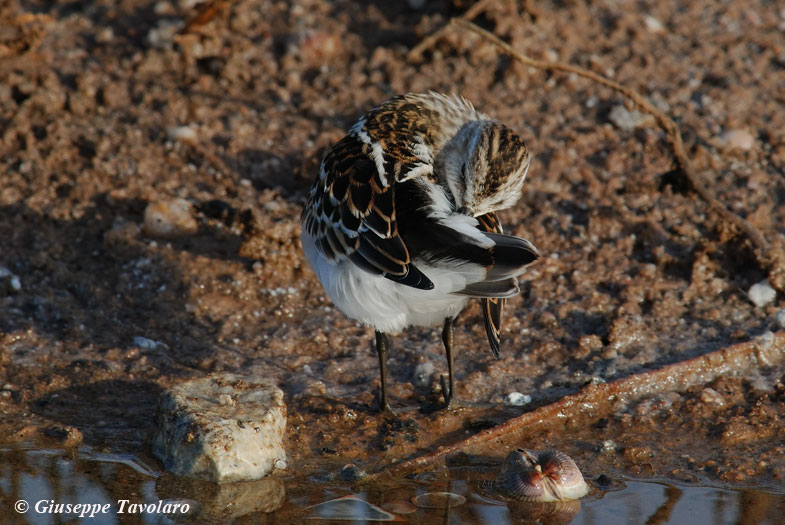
pixel 597 401
pixel 773 259
pixel 416 52
pixel 701 187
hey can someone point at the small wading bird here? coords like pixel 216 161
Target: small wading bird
pixel 400 226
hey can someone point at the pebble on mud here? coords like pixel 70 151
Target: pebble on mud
pixel 628 120
pixel 516 399
pixel 738 139
pixel 762 293
pixel 422 374
pixel 197 436
pixel 184 134
pixel 9 282
pixel 169 219
pixel 653 24
pixel 781 318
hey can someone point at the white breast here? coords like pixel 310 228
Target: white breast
pixel 385 305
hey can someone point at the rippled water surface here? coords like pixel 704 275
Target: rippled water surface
pixel 37 486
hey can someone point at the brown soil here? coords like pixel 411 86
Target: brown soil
pixel 637 272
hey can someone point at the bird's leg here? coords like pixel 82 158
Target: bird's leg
pixel 382 344
pixel 448 337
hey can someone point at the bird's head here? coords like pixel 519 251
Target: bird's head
pixel 484 166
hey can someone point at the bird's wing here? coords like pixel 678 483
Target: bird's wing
pixel 351 210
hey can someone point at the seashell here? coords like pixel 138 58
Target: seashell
pixel 546 475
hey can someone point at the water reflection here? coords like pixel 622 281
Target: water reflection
pixel 51 477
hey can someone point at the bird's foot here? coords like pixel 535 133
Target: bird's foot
pixel 384 406
pixel 451 402
pixel 385 410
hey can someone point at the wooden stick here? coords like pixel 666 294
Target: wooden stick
pixel 596 401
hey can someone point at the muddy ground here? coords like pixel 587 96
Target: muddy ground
pixel 107 107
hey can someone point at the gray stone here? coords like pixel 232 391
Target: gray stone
pixel 221 428
pixel 628 120
pixel 762 293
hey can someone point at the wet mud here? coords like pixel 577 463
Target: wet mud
pixel 107 108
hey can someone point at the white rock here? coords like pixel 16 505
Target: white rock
pixel 653 24
pixel 712 397
pixel 422 374
pixel 516 399
pixel 144 343
pixel 762 293
pixel 781 318
pixel 169 219
pixel 11 280
pixel 199 435
pixel 628 120
pixel 163 34
pixel 740 139
pixel 184 134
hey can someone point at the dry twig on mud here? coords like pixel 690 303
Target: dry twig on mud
pixel 596 401
pixel 427 42
pixel 207 12
pixel 771 259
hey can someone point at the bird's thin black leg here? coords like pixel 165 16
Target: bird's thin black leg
pixel 382 345
pixel 448 338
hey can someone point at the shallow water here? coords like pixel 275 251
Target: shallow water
pixel 122 489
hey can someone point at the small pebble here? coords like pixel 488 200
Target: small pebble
pixel 762 293
pixel 144 343
pixel 765 340
pixel 628 120
pixel 350 472
pixel 105 35
pixel 781 318
pixel 169 219
pixel 184 134
pixel 739 139
pixel 653 24
pixel 711 396
pixel 608 446
pixel 9 281
pixel 423 373
pixel 163 34
pixel 516 399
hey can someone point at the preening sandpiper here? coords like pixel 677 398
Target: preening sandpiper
pixel 400 226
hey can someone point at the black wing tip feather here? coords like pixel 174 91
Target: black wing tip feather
pixel 413 277
pixel 514 249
